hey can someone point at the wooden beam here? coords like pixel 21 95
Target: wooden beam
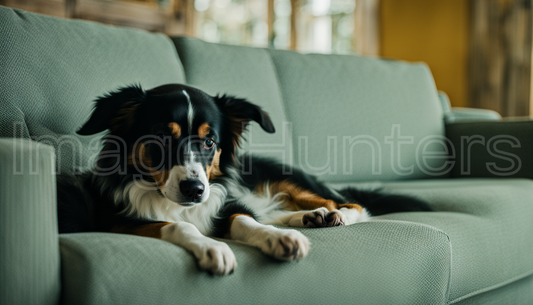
pixel 177 18
pixel 500 56
pixel 270 22
pixel 366 27
pixel 293 44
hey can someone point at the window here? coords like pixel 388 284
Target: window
pixel 323 26
pixel 242 22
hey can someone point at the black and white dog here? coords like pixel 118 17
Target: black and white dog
pixel 168 169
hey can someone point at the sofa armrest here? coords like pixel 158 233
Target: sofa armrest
pixel 460 114
pixel 492 148
pixel 29 243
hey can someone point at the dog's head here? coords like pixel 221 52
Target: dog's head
pixel 178 136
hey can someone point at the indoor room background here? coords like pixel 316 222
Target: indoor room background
pixel 479 51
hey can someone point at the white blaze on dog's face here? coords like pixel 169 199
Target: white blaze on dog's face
pixel 187 181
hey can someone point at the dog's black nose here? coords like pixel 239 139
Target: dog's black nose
pixel 192 189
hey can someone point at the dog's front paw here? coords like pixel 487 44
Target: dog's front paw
pixel 287 245
pixel 321 217
pixel 216 257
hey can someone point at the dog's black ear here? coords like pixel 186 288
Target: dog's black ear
pixel 239 113
pixel 113 110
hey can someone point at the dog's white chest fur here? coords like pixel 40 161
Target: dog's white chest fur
pixel 149 204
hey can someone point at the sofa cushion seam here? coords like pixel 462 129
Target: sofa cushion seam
pixel 493 287
pixel 282 98
pixel 177 57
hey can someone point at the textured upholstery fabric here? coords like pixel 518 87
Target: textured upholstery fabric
pixel 52 69
pixel 489 225
pixel 29 251
pixel 380 262
pixel 346 108
pixel 492 148
pixel 519 292
pixel 243 72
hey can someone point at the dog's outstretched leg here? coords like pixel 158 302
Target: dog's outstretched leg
pixel 237 221
pixel 322 217
pixel 213 256
pixel 281 244
pixel 346 214
pixel 312 210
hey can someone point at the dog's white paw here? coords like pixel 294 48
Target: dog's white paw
pixel 216 257
pixel 287 245
pixel 321 217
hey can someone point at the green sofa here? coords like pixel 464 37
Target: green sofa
pixel 350 120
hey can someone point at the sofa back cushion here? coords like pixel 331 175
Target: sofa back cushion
pixel 52 69
pixel 359 118
pixel 246 73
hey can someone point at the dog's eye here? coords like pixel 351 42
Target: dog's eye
pixel 209 143
pixel 162 138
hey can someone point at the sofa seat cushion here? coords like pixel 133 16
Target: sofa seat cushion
pixel 52 69
pixel 246 73
pixel 490 225
pixel 381 262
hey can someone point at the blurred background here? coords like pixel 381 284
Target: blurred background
pixel 480 51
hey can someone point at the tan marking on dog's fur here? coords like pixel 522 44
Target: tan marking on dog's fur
pixel 237 127
pixel 139 158
pixel 232 218
pixel 175 129
pixel 213 170
pixel 203 130
pixel 351 206
pixel 124 118
pixel 147 230
pixel 296 198
pixel 160 177
pixel 230 221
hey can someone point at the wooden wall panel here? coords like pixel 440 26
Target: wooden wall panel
pixel 145 15
pixel 431 31
pixel 56 8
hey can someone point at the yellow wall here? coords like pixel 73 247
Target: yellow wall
pixel 433 31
